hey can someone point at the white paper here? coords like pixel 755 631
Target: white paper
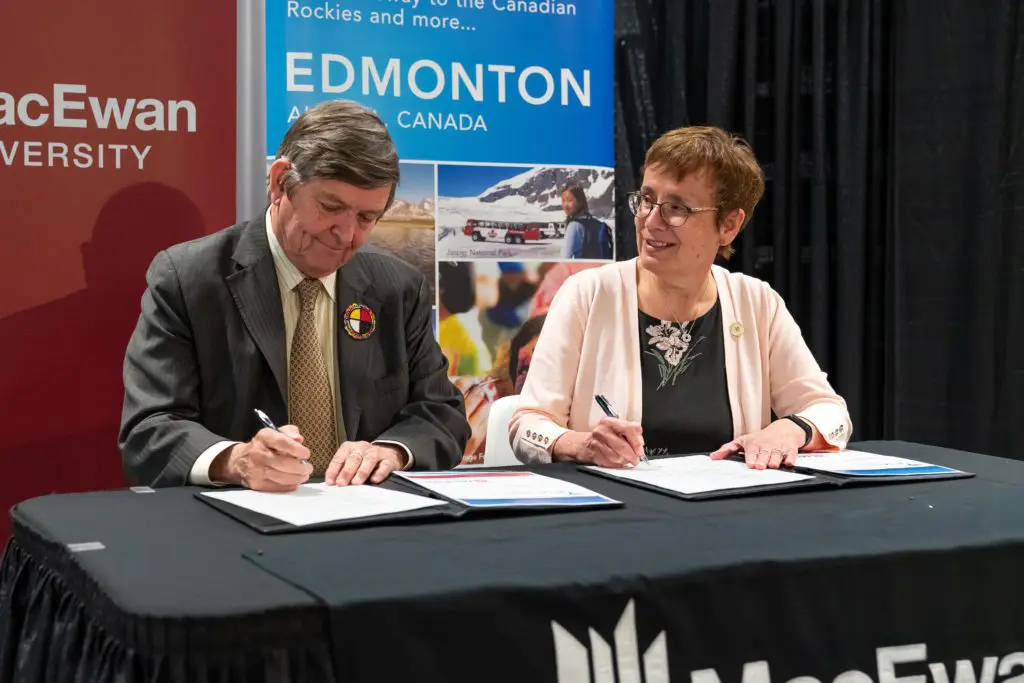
pixel 692 474
pixel 318 503
pixel 510 488
pixel 861 464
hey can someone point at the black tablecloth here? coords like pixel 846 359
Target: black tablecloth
pixel 802 583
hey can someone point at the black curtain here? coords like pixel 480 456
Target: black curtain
pixel 828 92
pixel 958 224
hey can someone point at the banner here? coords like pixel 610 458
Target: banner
pixel 117 139
pixel 503 117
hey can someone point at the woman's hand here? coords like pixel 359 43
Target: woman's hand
pixel 613 443
pixel 775 445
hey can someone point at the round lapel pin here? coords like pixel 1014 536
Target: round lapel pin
pixel 360 322
pixel 736 330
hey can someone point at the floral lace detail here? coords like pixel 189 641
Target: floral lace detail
pixel 674 348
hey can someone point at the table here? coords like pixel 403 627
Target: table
pixel 853 585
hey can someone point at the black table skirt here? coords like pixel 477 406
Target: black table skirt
pixel 55 625
pixel 809 583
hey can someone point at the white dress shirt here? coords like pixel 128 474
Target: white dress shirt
pixel 288 279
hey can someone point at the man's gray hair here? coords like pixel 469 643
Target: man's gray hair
pixel 340 140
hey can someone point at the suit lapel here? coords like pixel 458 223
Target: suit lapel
pixel 254 288
pixel 358 359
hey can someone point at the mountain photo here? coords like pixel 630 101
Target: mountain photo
pixel 407 228
pixel 512 211
pixel 541 188
pixel 410 211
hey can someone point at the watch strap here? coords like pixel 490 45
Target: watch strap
pixel 804 425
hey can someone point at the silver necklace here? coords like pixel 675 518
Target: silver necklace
pixel 689 322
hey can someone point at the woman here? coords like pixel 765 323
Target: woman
pixel 585 236
pixel 695 359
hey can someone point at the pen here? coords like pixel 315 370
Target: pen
pixel 269 424
pixel 606 406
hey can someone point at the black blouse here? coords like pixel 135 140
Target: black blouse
pixel 685 393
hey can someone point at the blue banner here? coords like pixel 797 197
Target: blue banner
pixel 486 81
pixel 503 116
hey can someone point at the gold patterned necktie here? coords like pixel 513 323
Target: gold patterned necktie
pixel 310 399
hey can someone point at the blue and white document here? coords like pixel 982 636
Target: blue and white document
pixel 506 489
pixel 861 464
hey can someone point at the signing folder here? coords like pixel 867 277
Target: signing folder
pixel 407 497
pixel 698 476
pixel 695 477
pixel 318 506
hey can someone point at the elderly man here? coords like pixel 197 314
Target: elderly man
pixel 290 315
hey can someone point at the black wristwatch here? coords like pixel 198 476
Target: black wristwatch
pixel 804 425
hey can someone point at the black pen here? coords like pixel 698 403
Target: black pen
pixel 606 406
pixel 269 424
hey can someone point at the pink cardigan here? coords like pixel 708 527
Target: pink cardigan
pixel 590 344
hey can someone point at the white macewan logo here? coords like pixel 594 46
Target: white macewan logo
pixel 68 106
pixel 575 661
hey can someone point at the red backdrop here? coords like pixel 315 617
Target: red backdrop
pixel 75 242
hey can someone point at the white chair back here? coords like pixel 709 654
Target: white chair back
pixel 498 451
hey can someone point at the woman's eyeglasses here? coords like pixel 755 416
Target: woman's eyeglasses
pixel 673 213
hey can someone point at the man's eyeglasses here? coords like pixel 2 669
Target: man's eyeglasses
pixel 673 213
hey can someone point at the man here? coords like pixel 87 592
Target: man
pixel 289 315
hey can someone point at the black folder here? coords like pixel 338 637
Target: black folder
pixel 812 482
pixel 818 480
pixel 271 525
pixel 451 510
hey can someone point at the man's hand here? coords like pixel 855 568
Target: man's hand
pixel 775 445
pixel 272 461
pixel 357 462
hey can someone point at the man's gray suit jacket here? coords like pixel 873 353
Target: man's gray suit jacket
pixel 209 348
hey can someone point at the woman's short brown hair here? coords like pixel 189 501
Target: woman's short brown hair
pixel 734 171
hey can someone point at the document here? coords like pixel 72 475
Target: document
pixel 694 474
pixel 861 464
pixel 506 489
pixel 319 503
